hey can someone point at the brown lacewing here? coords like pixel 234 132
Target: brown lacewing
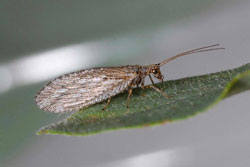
pixel 83 88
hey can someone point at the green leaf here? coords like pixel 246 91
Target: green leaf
pixel 148 107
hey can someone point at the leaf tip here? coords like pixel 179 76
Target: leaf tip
pixel 42 131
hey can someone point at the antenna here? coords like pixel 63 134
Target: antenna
pixel 203 49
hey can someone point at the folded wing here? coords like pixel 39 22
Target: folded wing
pixel 83 88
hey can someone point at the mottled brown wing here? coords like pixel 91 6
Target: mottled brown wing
pixel 77 90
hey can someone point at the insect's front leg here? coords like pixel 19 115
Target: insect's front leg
pixel 158 90
pixel 155 88
pixel 151 79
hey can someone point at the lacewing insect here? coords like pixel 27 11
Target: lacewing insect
pixel 83 88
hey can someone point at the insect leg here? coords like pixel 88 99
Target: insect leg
pixel 155 88
pixel 158 90
pixel 151 79
pixel 129 94
pixel 106 106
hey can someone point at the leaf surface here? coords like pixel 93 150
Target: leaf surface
pixel 189 96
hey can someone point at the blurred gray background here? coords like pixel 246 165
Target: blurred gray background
pixel 40 40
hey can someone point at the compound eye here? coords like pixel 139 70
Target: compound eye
pixel 154 71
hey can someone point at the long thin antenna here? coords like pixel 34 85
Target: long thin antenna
pixel 203 49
